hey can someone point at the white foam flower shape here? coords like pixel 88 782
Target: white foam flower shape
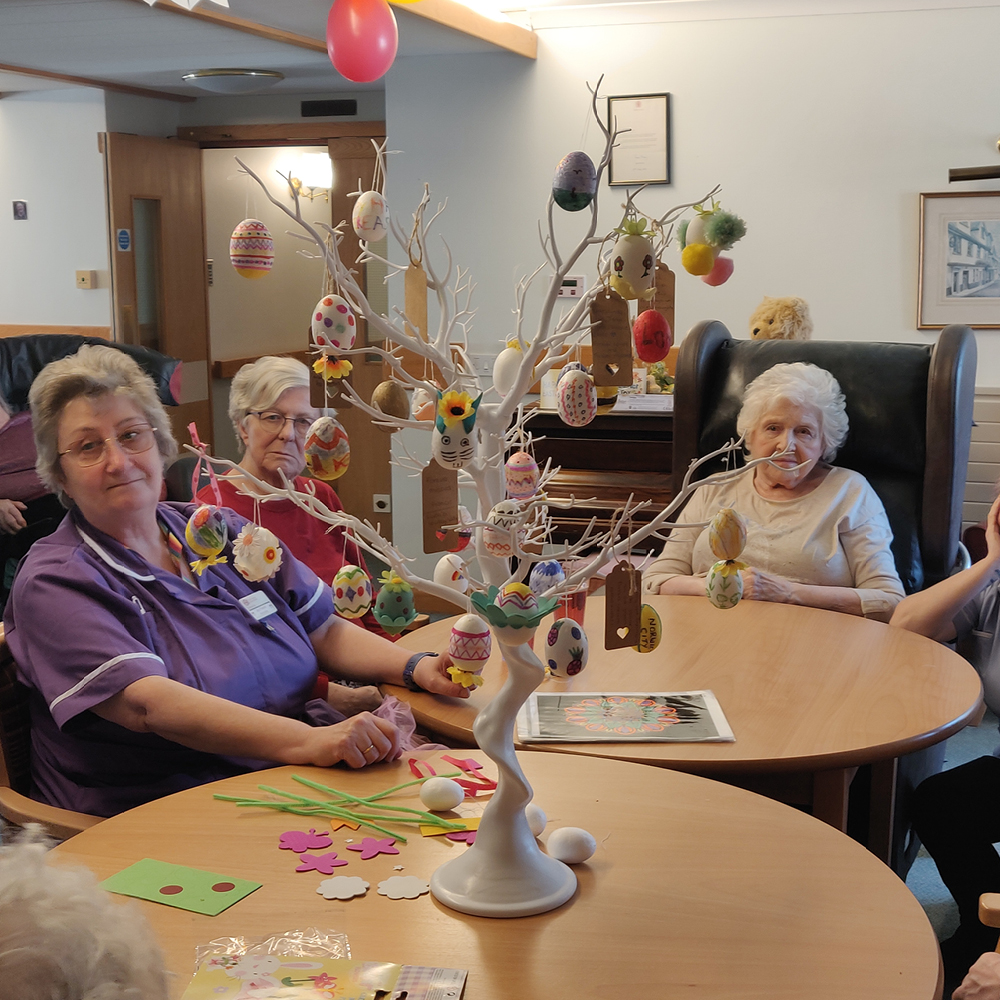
pixel 256 553
pixel 403 887
pixel 343 887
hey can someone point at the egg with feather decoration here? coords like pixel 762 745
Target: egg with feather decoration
pixel 251 249
pixel 328 449
pixel 521 474
pixel 206 533
pixel 352 591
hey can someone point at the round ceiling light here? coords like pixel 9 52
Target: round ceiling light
pixel 233 81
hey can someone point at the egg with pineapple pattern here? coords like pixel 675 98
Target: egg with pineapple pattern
pixel 566 648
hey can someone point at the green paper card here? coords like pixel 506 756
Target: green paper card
pixel 176 885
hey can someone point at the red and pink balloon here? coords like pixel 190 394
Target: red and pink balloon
pixel 361 38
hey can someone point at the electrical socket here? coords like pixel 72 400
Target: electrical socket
pixel 86 279
pixel 483 364
pixel 382 503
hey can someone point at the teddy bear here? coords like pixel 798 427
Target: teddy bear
pixel 781 319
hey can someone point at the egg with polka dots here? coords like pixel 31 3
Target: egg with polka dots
pixel 333 325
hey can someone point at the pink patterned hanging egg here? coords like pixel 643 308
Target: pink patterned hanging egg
pixel 576 398
pixel 251 249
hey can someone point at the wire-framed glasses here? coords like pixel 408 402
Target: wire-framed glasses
pixel 274 422
pixel 92 451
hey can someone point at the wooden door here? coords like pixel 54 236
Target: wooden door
pixel 159 286
pixel 369 473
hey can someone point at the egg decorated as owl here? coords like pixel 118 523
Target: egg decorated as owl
pixel 370 217
pixel 576 399
pixel 450 572
pixel 566 648
pixel 727 534
pixel 633 266
pixel 650 630
pixel 333 324
pixel 546 574
pixel 394 606
pixel 328 449
pixel 516 599
pixel 574 183
pixel 469 646
pixel 724 584
pixel 652 336
pixel 352 591
pixel 521 474
pixel 251 249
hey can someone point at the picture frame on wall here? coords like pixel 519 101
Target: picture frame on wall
pixel 642 150
pixel 959 278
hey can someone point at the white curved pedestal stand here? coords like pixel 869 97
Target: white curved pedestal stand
pixel 505 873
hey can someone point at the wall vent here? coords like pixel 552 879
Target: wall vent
pixel 329 109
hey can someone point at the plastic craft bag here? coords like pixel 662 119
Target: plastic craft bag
pixel 308 943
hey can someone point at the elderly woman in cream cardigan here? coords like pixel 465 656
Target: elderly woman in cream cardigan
pixel 817 534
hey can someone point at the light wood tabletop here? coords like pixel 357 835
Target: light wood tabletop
pixel 804 690
pixel 697 889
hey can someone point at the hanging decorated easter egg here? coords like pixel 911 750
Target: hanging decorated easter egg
pixel 251 249
pixel 333 325
pixel 390 397
pixel 328 449
pixel 650 630
pixel 571 845
pixel 352 592
pixel 423 406
pixel 505 369
pixel 453 447
pixel 206 533
pixel 394 607
pixel 695 231
pixel 572 366
pixel 721 272
pixel 439 794
pixel 256 553
pixel 576 399
pixel 450 572
pixel 497 532
pixel 651 333
pixel 566 648
pixel 370 217
pixel 575 182
pixel 521 473
pixel 546 574
pixel 516 599
pixel 698 258
pixel 727 534
pixel 469 647
pixel 724 584
pixel 633 267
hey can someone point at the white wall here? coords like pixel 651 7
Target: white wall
pixel 822 130
pixel 49 158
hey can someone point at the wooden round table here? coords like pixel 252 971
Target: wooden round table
pixel 809 693
pixel 697 889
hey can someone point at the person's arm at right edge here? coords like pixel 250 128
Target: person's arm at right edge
pixel 932 612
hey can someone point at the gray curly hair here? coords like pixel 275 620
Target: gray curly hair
pixel 803 385
pixel 258 385
pixel 61 935
pixel 93 371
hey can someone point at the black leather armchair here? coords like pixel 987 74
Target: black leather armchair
pixel 910 411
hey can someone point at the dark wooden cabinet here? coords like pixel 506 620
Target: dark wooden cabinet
pixel 615 455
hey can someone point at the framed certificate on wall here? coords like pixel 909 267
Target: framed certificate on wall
pixel 642 148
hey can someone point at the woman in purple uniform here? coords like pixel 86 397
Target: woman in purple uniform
pixel 145 677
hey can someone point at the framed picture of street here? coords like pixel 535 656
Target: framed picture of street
pixel 959 278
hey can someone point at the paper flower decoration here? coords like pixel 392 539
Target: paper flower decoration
pixel 510 617
pixel 394 607
pixel 330 367
pixel 343 887
pixel 256 553
pixel 403 887
pixel 206 534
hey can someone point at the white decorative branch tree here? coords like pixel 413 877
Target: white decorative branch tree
pixel 504 873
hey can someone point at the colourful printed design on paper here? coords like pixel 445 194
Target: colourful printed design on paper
pixel 624 716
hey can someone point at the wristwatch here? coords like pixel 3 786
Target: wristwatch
pixel 409 668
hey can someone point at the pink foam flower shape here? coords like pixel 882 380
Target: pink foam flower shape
pixel 371 847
